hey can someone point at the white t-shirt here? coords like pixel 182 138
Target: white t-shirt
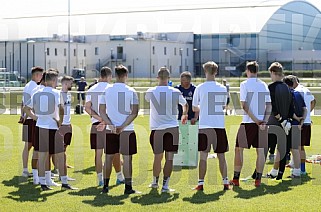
pixel 93 95
pixel 45 104
pixel 65 98
pixel 28 91
pixel 164 102
pixel 211 97
pixel 308 98
pixel 256 94
pixel 118 99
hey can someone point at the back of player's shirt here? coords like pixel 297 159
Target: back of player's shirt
pixel 282 104
pixel 118 99
pixel 93 95
pixel 308 98
pixel 299 104
pixel 28 91
pixel 45 103
pixel 188 95
pixel 65 98
pixel 211 97
pixel 164 102
pixel 256 94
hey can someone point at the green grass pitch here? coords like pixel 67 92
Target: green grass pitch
pixel 18 194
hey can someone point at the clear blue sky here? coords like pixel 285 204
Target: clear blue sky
pixel 14 25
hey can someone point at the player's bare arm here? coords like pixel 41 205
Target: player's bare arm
pixel 129 119
pixel 91 112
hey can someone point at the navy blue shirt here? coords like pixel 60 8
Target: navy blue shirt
pixel 188 95
pixel 299 104
pixel 82 85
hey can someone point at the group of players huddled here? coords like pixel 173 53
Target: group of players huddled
pixel 278 114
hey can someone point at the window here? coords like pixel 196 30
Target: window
pixel 65 69
pixel 164 50
pixel 85 53
pixel 186 68
pixel 153 49
pixel 75 53
pixel 65 52
pixel 96 51
pixel 56 52
pixel 187 52
pixel 129 69
pixel 153 69
pixel 174 51
pixel 48 53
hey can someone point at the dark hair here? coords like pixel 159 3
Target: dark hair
pixel 50 76
pixel 121 71
pixel 67 78
pixel 105 72
pixel 288 80
pixel 277 68
pixel 187 75
pixel 36 69
pixel 252 66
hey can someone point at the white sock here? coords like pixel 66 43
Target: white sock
pixel 296 172
pixel 100 177
pixel 25 169
pixel 64 179
pixel 273 172
pixel 155 180
pixel 48 177
pixel 225 181
pixel 200 182
pixel 35 174
pixel 42 180
pixel 166 183
pixel 291 163
pixel 120 176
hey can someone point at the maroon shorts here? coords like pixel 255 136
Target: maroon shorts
pixel 249 134
pixel 215 137
pixel 164 140
pixel 48 140
pixel 125 143
pixel 28 131
pixel 66 132
pixel 97 138
pixel 306 135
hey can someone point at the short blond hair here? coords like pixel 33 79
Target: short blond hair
pixel 210 67
pixel 276 68
pixel 163 73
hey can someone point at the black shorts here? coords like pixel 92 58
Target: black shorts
pixel 28 131
pixel 125 143
pixel 82 95
pixel 215 137
pixel 97 138
pixel 164 140
pixel 228 101
pixel 306 135
pixel 249 134
pixel 48 140
pixel 66 132
pixel 294 138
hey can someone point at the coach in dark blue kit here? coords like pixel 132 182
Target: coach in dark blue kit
pixel 187 89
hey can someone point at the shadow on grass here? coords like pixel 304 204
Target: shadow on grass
pixel 153 197
pixel 179 168
pixel 264 189
pixel 87 171
pixel 100 199
pixel 27 191
pixel 201 198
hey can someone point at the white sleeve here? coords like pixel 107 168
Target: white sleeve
pixel 29 102
pixel 102 100
pixel 88 96
pixel 267 95
pixel 148 95
pixel 196 98
pixel 243 93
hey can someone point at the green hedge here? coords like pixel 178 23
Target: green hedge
pixel 305 73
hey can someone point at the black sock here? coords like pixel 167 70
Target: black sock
pixel 258 176
pixel 106 182
pixel 165 180
pixel 280 175
pixel 128 183
pixel 254 174
pixel 236 175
